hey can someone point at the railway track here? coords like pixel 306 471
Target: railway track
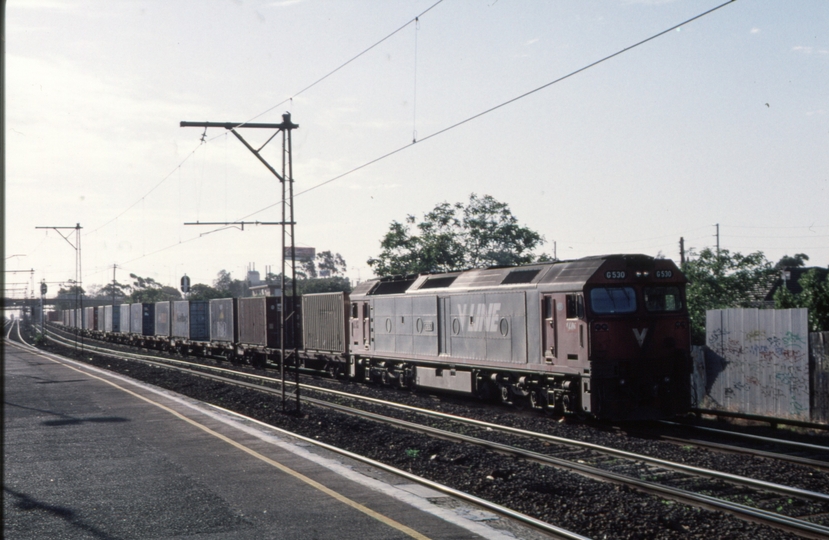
pixel 819 454
pixel 551 529
pixel 670 480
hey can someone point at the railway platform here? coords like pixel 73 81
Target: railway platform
pixel 92 454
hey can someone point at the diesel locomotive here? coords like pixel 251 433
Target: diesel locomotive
pixel 604 336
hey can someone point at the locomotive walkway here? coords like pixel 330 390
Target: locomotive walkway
pixel 90 454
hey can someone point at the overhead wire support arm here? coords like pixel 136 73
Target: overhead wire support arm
pixel 242 223
pixel 287 223
pixel 286 125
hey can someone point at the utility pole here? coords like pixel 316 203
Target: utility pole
pixel 287 223
pixel 681 252
pixel 78 270
pixel 42 292
pixel 718 239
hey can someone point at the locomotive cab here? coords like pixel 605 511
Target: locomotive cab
pixel 639 339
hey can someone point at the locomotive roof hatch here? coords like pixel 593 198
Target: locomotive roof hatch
pixel 552 276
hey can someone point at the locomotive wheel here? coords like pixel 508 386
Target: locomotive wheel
pixel 504 394
pixel 536 401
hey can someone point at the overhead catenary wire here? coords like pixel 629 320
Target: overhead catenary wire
pixel 496 107
pixel 306 88
pixel 341 66
pixel 436 133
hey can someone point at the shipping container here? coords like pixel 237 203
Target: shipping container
pixel 181 319
pixel 124 318
pixel 223 314
pixel 112 318
pixel 259 321
pixel 191 320
pixel 325 322
pixel 163 324
pixel 90 318
pixel 142 319
pixel 99 322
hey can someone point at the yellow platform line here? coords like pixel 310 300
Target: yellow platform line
pixel 299 476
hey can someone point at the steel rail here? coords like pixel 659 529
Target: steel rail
pixel 502 510
pixel 795 525
pixel 770 518
pixel 761 418
pixel 760 438
pixel 797 460
pixel 696 471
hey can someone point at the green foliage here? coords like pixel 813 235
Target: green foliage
pixel 724 281
pixel 200 291
pixel 814 297
pixel 313 285
pixel 67 297
pixel 150 291
pixel 115 290
pixel 229 287
pixel 322 285
pixel 455 237
pixel 325 264
pixel 798 260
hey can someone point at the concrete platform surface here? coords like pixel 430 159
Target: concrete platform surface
pixel 92 454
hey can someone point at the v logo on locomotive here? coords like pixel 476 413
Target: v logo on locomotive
pixel 640 335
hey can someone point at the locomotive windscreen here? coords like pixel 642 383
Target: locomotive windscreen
pixel 613 300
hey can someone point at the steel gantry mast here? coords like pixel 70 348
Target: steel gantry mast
pixel 289 316
pixel 78 274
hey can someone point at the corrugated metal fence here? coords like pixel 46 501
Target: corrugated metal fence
pixel 757 362
pixel 819 351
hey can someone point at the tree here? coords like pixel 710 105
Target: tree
pixel 68 297
pixel 724 280
pixel 324 264
pixel 313 285
pixel 113 291
pixel 814 296
pixel 150 291
pixel 456 237
pixel 229 287
pixel 792 262
pixel 200 291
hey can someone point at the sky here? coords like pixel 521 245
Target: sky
pixel 723 120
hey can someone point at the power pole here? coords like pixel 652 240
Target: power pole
pixel 681 252
pixel 287 223
pixel 718 239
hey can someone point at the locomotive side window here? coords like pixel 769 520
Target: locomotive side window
pixel 613 300
pixel 659 299
pixel 575 306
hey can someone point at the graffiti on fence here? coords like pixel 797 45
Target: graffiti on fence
pixel 759 361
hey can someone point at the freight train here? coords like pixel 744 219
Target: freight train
pixel 605 336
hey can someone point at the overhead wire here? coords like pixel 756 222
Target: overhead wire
pixel 203 139
pixel 341 66
pixel 436 133
pixel 496 107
